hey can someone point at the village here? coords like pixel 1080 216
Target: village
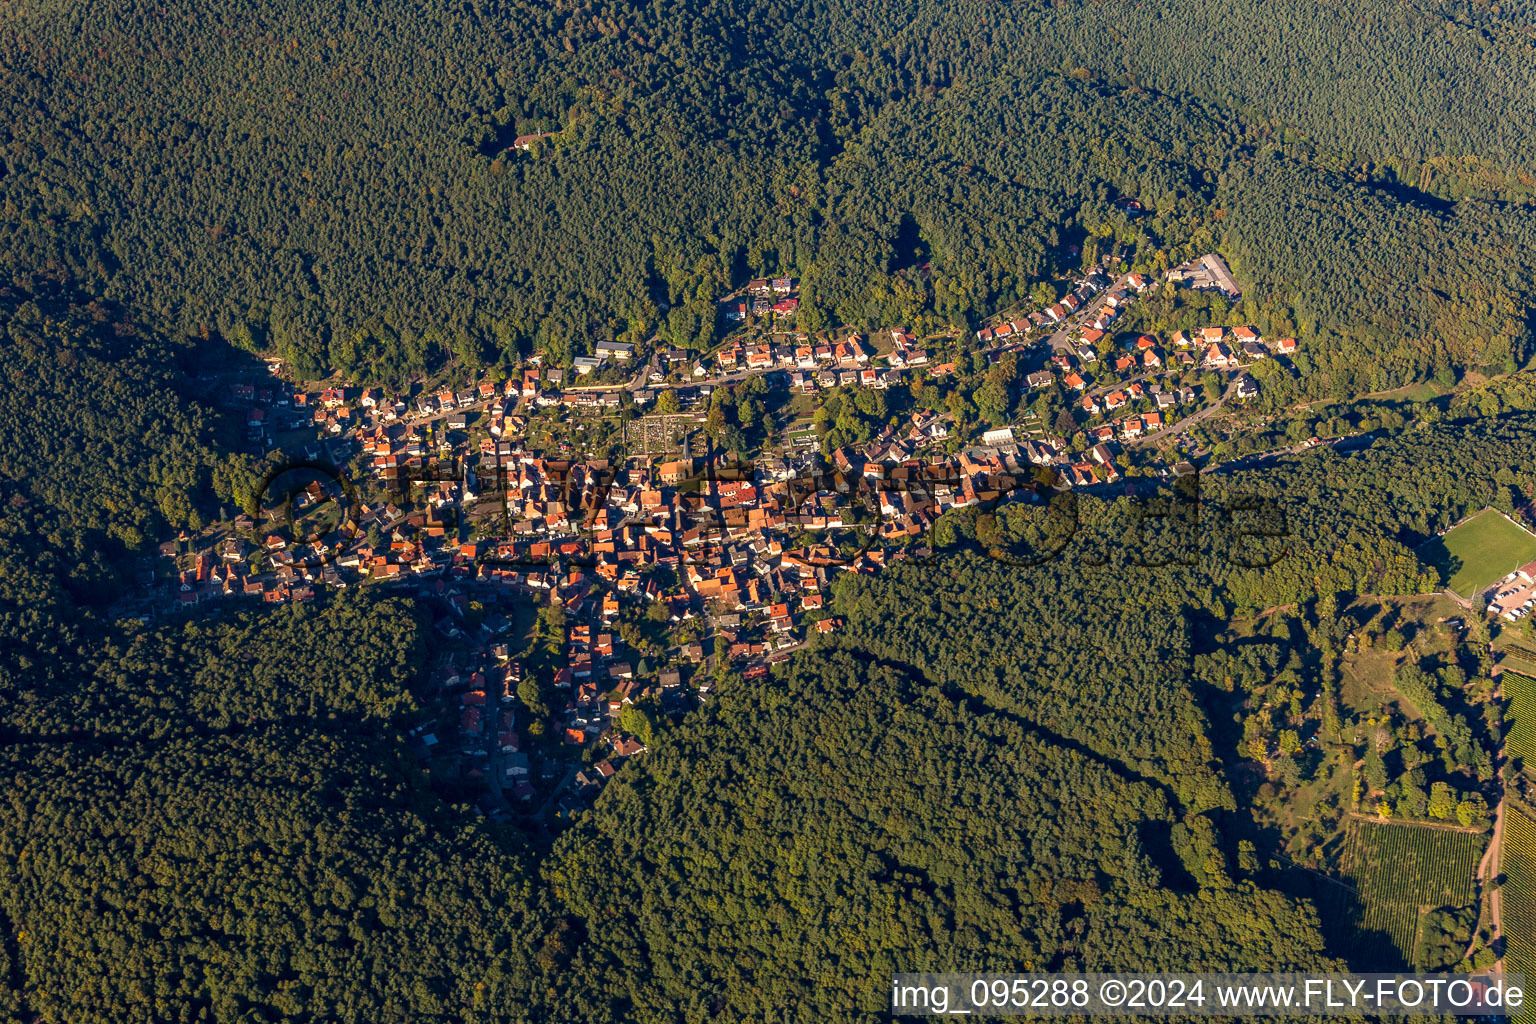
pixel 599 562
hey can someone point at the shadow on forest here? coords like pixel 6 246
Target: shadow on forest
pixel 1438 555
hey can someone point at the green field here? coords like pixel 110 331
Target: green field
pixel 1424 391
pixel 1518 865
pixel 1520 718
pixel 1393 874
pixel 1480 551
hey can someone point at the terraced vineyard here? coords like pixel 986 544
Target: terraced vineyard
pixel 1518 657
pixel 1520 717
pixel 1518 865
pixel 1395 872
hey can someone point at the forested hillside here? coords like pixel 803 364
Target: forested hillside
pixel 1422 88
pixel 995 764
pixel 1058 650
pixel 336 184
pixel 102 450
pixel 214 824
pixel 845 820
pixel 208 820
pixel 1001 761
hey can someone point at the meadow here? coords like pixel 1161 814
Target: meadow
pixel 1480 552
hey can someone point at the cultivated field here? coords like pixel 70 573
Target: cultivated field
pixel 1520 718
pixel 1480 551
pixel 1519 894
pixel 1397 873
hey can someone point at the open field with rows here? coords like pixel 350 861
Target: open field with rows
pixel 1394 874
pixel 1518 866
pixel 1520 718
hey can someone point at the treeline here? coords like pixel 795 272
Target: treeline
pixel 336 185
pixel 103 451
pixel 862 819
pixel 221 821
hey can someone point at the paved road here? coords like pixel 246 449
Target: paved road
pixel 1061 341
pixel 638 383
pixel 1194 417
pixel 493 763
pixel 542 813
pixel 1104 389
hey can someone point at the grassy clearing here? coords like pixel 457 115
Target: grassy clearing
pixel 1424 391
pixel 1524 665
pixel 1480 552
pixel 1369 675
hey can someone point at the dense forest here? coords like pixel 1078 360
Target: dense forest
pixel 213 823
pixel 844 780
pixel 208 820
pixel 337 184
pixel 1004 760
pixel 848 818
pixel 103 451
pixel 1030 750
